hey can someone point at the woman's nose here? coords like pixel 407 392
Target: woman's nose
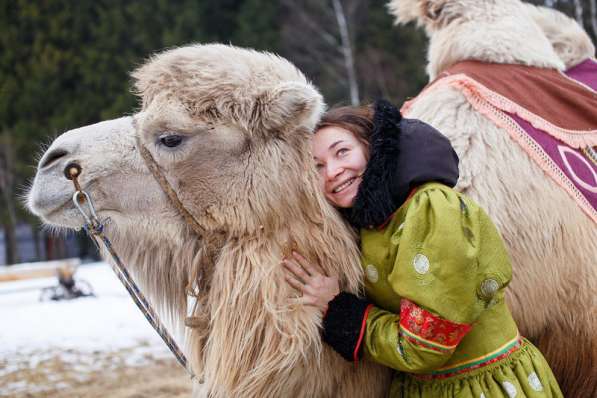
pixel 333 170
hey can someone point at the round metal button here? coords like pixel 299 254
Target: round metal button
pixel 534 382
pixel 372 273
pixel 489 287
pixel 421 264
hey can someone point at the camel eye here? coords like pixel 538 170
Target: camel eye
pixel 171 140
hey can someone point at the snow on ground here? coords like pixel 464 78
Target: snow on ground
pixel 84 335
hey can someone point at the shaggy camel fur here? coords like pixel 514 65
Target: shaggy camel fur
pixel 553 244
pixel 232 139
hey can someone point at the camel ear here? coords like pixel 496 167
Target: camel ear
pixel 288 106
pixel 423 12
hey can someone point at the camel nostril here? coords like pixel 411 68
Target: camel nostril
pixel 52 157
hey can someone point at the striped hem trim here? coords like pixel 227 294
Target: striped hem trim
pixel 467 366
pixel 431 344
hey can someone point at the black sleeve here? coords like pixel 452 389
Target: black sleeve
pixel 343 324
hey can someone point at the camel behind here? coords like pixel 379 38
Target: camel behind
pixel 552 242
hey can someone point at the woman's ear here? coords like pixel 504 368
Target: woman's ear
pixel 288 106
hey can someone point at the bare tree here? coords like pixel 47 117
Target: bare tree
pixel 583 11
pixel 7 179
pixel 593 15
pixel 328 26
pixel 578 12
pixel 347 51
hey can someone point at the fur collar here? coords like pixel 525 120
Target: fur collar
pixel 404 153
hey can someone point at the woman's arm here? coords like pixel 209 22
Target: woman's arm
pixel 437 274
pixel 353 321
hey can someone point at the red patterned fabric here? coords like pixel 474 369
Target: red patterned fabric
pixel 429 330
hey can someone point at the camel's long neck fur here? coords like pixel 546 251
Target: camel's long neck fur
pixel 247 333
pixel 254 325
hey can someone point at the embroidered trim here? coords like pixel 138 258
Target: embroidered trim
pixel 591 153
pixel 413 338
pixel 467 366
pixel 421 327
pixel 355 354
pixel 470 87
pixel 574 138
pixel 534 150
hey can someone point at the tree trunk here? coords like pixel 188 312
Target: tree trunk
pixel 578 11
pixel 7 198
pixel 36 244
pixel 49 244
pixel 347 52
pixel 593 13
pixel 10 242
pixel 10 225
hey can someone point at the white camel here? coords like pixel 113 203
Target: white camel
pixel 228 129
pixel 553 243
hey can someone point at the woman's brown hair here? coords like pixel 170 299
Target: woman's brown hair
pixel 356 119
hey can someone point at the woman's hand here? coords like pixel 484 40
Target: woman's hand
pixel 316 288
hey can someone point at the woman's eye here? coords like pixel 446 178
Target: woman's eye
pixel 341 151
pixel 171 140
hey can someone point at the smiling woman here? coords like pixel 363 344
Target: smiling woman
pixel 436 266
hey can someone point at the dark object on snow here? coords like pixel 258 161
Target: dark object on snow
pixel 68 287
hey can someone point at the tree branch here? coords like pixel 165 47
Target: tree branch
pixel 308 20
pixel 347 51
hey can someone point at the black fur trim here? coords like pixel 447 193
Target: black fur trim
pixel 342 323
pixel 374 201
pixel 403 154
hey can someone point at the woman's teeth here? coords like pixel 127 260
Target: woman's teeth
pixel 344 185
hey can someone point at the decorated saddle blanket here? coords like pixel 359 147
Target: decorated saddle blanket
pixel 552 115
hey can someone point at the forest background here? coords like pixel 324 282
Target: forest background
pixel 65 64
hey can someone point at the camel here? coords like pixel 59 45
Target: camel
pixel 231 138
pixel 552 242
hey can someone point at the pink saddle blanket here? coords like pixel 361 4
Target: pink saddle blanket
pixel 550 114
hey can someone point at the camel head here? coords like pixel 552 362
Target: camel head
pixel 218 121
pixel 504 31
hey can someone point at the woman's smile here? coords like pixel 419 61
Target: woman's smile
pixel 344 185
pixel 341 160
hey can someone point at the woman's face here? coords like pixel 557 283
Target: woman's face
pixel 341 160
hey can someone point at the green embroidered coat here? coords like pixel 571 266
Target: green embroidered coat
pixel 436 274
pixel 436 269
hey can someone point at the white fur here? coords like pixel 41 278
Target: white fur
pixel 553 244
pixel 245 173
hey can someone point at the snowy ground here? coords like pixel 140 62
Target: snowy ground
pixel 46 347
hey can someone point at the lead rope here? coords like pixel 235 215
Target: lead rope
pixel 95 229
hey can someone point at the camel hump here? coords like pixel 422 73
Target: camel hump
pixel 572 44
pixel 513 33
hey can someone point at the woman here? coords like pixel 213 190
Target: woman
pixel 435 265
